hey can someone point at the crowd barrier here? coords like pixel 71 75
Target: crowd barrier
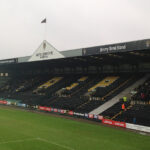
pixel 83 115
pixel 70 113
pixel 114 123
pixel 3 102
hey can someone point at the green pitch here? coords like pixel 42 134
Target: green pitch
pixel 21 130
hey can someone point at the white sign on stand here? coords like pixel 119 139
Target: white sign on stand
pixel 45 51
pixel 138 127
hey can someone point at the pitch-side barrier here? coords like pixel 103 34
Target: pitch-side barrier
pixel 93 117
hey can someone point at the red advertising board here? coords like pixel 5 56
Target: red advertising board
pixel 91 116
pixel 70 112
pixel 41 107
pixel 107 121
pixel 55 110
pixel 62 111
pixel 47 109
pixel 3 102
pixel 100 117
pixel 114 123
pixel 44 108
pixel 120 124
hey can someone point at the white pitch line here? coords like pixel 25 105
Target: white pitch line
pixel 40 139
pixel 54 143
pixel 18 141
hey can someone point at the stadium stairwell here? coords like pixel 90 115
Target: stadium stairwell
pixel 115 116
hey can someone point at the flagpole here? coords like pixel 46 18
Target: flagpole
pixel 45 36
pixel 45 29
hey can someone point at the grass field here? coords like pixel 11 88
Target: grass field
pixel 21 130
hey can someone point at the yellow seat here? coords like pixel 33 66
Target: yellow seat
pixel 105 82
pixel 72 86
pixel 83 78
pixel 50 82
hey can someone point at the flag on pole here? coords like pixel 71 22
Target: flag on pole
pixel 43 21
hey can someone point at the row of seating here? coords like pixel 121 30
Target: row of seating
pixel 47 84
pixel 106 93
pixel 68 90
pixel 142 92
pixel 104 83
pixel 136 110
pixel 75 90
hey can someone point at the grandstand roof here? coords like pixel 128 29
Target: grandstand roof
pixel 139 49
pixel 118 47
pixel 132 58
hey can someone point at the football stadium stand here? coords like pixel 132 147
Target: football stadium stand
pixel 136 109
pixel 83 80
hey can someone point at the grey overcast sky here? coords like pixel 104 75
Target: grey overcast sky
pixel 70 23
